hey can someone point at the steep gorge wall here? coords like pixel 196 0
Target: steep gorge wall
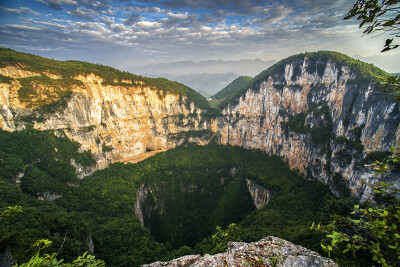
pixel 321 116
pixel 324 124
pixel 114 122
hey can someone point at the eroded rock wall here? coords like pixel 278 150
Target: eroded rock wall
pixel 113 122
pixel 343 120
pixel 323 121
pixel 259 194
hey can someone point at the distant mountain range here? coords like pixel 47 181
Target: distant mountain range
pixel 249 67
pixel 389 63
pixel 206 77
pixel 206 84
pixel 209 76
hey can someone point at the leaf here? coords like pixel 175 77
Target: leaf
pixel 362 23
pixel 349 16
pixel 385 213
pixel 388 42
pixel 389 23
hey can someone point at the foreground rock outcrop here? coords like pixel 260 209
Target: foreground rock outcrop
pixel 239 253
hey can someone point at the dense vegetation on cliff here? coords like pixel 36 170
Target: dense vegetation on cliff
pixel 232 87
pixel 43 159
pixel 182 195
pixel 229 90
pixel 316 63
pixel 68 70
pixel 197 189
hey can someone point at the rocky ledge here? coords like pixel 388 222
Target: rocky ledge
pixel 242 254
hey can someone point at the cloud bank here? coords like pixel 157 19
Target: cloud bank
pixel 133 33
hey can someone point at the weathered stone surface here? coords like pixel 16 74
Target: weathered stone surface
pixel 130 120
pixel 257 120
pixel 141 194
pixel 135 119
pixel 289 254
pixel 6 259
pixel 259 194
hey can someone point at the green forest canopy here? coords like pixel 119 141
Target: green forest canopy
pixel 232 87
pixel 101 207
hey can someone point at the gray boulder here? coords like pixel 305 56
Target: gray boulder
pixel 241 254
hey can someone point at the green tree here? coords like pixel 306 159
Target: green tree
pixel 41 259
pixel 222 237
pixel 380 17
pixel 373 228
pixel 9 212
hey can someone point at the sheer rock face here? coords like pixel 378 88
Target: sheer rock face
pixel 114 122
pixel 140 206
pixel 289 255
pixel 117 122
pixel 333 101
pixel 259 194
pixel 6 259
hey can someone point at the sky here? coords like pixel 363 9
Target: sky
pixel 129 33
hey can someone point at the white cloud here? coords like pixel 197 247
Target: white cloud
pixel 186 28
pixel 92 26
pixel 148 24
pixel 22 27
pixel 206 28
pixel 118 28
pixel 52 24
pixel 178 15
pixel 19 11
pixel 59 2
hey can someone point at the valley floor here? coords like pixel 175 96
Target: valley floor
pixel 141 157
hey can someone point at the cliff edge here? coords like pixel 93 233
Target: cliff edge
pixel 265 250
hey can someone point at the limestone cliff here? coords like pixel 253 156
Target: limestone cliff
pixel 242 254
pixel 114 120
pixel 321 112
pixel 259 194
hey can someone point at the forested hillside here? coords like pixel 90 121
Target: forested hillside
pixel 313 112
pixel 198 188
pixel 365 73
pixel 62 76
pixel 232 87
